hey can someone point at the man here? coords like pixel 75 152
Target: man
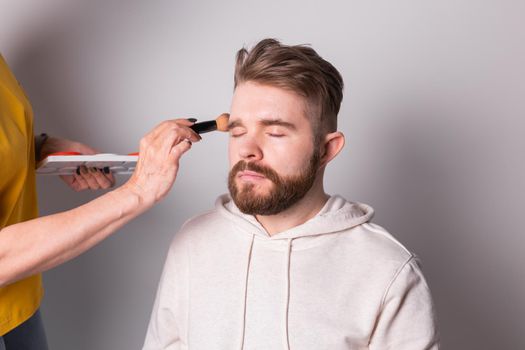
pixel 280 264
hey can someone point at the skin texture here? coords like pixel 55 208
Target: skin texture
pixel 269 126
pixel 37 245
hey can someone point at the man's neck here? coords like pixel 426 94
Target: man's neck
pixel 297 214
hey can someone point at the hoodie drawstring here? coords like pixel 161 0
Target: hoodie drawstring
pixel 286 339
pixel 287 294
pixel 246 291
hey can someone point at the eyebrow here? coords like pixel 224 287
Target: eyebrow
pixel 264 122
pixel 278 122
pixel 234 124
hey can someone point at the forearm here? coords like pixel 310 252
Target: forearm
pixel 37 245
pixel 40 244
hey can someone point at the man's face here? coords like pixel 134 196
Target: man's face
pixel 273 159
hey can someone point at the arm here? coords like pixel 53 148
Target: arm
pixel 37 245
pixel 407 317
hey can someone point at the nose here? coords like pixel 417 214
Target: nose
pixel 249 150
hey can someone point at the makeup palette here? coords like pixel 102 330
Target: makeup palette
pixel 66 163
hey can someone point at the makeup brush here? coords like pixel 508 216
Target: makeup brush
pixel 220 123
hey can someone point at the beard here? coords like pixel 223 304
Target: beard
pixel 285 192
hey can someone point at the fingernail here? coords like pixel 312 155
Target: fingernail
pixel 193 120
pixel 106 170
pixel 78 170
pixel 83 169
pixel 93 170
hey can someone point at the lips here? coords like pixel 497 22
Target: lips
pixel 250 175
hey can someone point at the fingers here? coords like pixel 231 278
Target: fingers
pixel 160 142
pixel 97 179
pixel 103 181
pixel 109 175
pixel 179 149
pixel 73 182
pixel 80 184
pixel 177 137
pixel 179 129
pixel 89 178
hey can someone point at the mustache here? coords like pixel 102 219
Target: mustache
pixel 267 172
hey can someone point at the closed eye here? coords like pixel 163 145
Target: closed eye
pixel 275 131
pixel 236 133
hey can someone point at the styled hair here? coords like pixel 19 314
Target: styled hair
pixel 299 69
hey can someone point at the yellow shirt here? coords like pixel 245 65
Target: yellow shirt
pixel 18 199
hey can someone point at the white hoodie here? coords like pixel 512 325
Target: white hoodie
pixel 334 282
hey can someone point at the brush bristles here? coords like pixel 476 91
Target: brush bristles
pixel 222 122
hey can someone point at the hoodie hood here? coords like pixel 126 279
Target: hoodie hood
pixel 337 214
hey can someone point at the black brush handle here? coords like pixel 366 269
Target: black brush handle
pixel 203 127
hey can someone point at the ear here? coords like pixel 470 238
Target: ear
pixel 332 144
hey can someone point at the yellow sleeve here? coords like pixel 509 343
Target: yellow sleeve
pixel 18 198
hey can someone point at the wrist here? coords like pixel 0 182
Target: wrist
pixel 129 201
pixel 40 141
pixel 137 197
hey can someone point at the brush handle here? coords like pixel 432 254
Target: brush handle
pixel 203 127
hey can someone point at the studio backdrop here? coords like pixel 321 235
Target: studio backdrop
pixel 432 112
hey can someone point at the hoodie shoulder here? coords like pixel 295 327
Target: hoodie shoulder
pixel 214 224
pixel 202 220
pixel 379 245
pixel 202 224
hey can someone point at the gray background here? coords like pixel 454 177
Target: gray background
pixel 433 115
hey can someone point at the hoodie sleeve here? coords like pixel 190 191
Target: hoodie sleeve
pixel 407 318
pixel 165 327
